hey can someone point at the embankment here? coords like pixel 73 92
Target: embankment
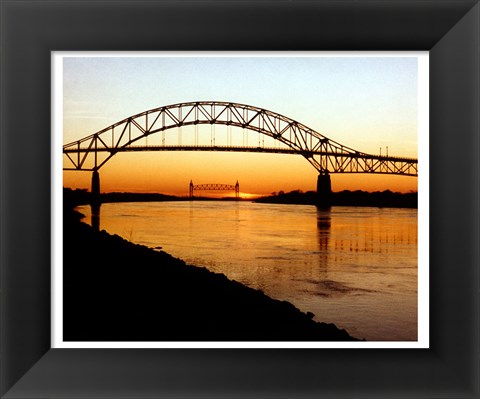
pixel 118 291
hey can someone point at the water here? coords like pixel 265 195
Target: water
pixel 355 267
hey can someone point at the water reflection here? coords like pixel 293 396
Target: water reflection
pixel 324 224
pixel 95 216
pixel 323 235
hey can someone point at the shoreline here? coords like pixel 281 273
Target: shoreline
pixel 383 199
pixel 115 290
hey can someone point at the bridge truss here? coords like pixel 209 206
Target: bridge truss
pixel 132 134
pixel 217 187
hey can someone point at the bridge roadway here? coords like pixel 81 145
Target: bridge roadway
pixel 379 163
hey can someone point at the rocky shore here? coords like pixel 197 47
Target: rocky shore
pixel 118 291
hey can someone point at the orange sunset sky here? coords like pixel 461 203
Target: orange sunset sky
pixel 365 103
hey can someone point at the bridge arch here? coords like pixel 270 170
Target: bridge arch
pixel 325 155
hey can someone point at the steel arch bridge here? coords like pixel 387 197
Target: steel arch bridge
pixel 132 134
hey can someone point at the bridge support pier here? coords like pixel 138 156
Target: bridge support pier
pixel 95 187
pixel 324 189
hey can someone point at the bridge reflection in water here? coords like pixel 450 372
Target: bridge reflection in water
pixel 95 215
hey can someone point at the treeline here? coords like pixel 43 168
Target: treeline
pixel 82 197
pixel 387 198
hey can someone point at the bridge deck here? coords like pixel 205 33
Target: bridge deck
pixel 272 150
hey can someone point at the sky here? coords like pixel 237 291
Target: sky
pixel 365 103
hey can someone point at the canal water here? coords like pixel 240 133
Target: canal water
pixel 355 267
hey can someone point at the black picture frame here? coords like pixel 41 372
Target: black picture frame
pixel 30 30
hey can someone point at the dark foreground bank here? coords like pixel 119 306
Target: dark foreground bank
pixel 118 291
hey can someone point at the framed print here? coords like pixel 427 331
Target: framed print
pixel 78 359
pixel 347 259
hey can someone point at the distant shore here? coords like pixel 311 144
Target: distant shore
pixel 115 290
pixel 382 199
pixel 387 199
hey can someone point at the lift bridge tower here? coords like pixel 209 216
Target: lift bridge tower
pixel 214 187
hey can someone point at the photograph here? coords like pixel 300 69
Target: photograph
pixel 239 198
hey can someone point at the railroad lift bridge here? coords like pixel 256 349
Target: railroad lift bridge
pixel 132 134
pixel 213 187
